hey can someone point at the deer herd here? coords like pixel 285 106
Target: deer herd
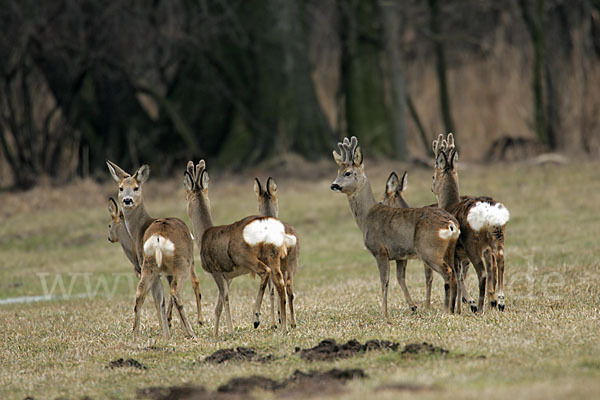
pixel 447 236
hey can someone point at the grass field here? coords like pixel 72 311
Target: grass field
pixel 545 345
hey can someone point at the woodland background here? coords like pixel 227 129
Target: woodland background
pixel 239 82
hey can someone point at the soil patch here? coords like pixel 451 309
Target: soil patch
pixel 404 387
pixel 299 384
pixel 422 348
pixel 237 354
pixel 130 362
pixel 328 349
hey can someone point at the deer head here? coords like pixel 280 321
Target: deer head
pixel 268 203
pixel 195 182
pixel 116 218
pixel 394 188
pixel 446 156
pixel 130 187
pixel 351 172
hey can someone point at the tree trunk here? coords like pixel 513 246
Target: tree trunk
pixel 440 64
pixel 390 16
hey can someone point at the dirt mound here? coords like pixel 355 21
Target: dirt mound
pixel 237 354
pixel 404 387
pixel 422 348
pixel 130 362
pixel 328 349
pixel 301 384
pixel 247 384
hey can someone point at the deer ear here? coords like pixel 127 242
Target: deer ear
pixel 338 158
pixel 116 172
pixel 271 186
pixel 392 183
pixel 358 157
pixel 257 187
pixel 113 209
pixel 204 180
pixel 404 181
pixel 441 161
pixel 453 158
pixel 188 181
pixel 142 174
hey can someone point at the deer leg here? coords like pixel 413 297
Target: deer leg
pixel 140 296
pixel 279 283
pixel 272 301
pixel 428 283
pixel 170 308
pixel 219 307
pixel 500 264
pixel 264 272
pixel 289 283
pixel 401 276
pixel 198 295
pixel 159 302
pixel 176 297
pixel 490 266
pixel 227 309
pixel 383 263
pixel 466 297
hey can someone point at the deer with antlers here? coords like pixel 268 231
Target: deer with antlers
pixel 164 246
pixel 268 206
pixel 482 223
pixel 255 245
pixel 393 196
pixel 397 233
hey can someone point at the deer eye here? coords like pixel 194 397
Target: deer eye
pixel 348 173
pixel 135 189
pixel 121 189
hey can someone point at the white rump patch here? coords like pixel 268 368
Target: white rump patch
pixel 484 214
pixel 290 241
pixel 265 231
pixel 157 246
pixel 451 232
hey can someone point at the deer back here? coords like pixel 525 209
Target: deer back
pixel 410 232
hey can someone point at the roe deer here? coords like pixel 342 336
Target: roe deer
pixel 117 233
pixel 268 206
pixel 163 245
pixel 252 245
pixel 397 233
pixel 482 223
pixel 394 197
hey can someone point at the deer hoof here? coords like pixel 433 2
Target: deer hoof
pixel 293 325
pixel 200 323
pixel 413 308
pixel 256 324
pixel 493 303
pixel 501 307
pixel 473 308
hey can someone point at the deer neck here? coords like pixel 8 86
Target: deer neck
pixel 126 242
pixel 361 201
pixel 201 218
pixel 448 194
pixel 136 221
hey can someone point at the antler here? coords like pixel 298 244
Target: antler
pixel 450 141
pixel 350 147
pixel 436 145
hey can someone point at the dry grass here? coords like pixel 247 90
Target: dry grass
pixel 546 344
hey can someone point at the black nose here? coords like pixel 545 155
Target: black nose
pixel 335 186
pixel 128 201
